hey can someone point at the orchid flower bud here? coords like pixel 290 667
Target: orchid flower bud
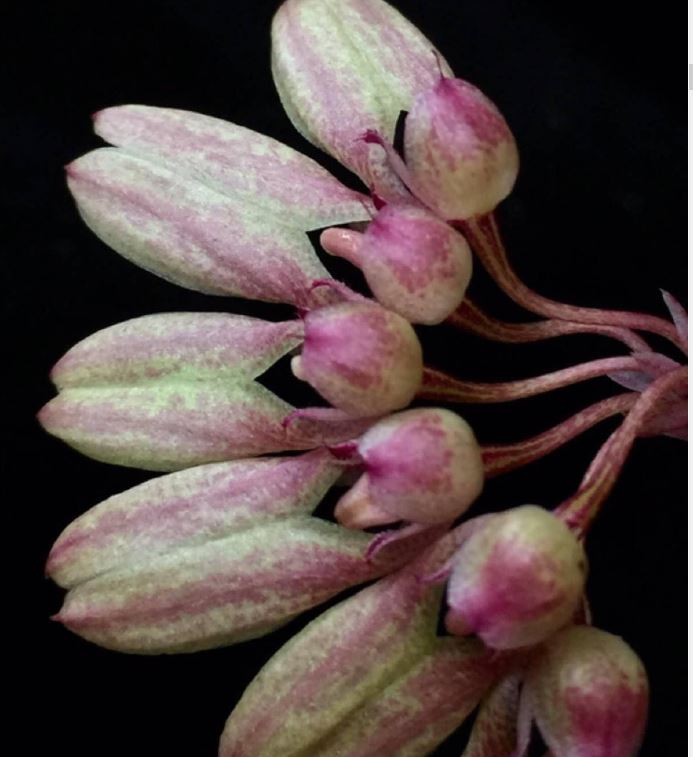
pixel 343 66
pixel 516 579
pixel 415 264
pixel 363 359
pixel 420 465
pixel 461 156
pixel 588 693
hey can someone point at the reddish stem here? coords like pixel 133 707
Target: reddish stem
pixel 503 458
pixel 440 386
pixel 483 235
pixel 579 511
pixel 470 317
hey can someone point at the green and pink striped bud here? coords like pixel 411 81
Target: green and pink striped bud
pixel 344 66
pixel 209 556
pixel 517 578
pixel 361 358
pixel 422 466
pixel 461 157
pixel 415 264
pixel 368 676
pixel 587 691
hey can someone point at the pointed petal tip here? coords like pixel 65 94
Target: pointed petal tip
pixel 45 415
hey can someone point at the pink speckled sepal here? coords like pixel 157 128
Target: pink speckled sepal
pixel 172 390
pixel 221 346
pixel 183 229
pixel 189 508
pixel 236 162
pixel 170 424
pixel 422 706
pixel 219 591
pixel 329 690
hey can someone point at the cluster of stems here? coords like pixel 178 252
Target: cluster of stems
pixel 658 404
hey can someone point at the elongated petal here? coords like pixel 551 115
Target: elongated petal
pixel 339 660
pixel 342 67
pixel 494 733
pixel 188 508
pixel 189 233
pixel 220 592
pixel 170 424
pixel 235 161
pixel 193 345
pixel 415 713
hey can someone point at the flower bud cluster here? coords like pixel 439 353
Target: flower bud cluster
pixel 461 161
pixel 219 209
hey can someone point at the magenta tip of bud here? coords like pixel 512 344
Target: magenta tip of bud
pixel 378 201
pixel 289 419
pixel 318 283
pixel 56 618
pixel 371 137
pixel 344 451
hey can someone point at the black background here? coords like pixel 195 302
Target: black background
pixel 594 94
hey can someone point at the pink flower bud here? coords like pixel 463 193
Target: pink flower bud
pixel 420 465
pixel 588 693
pixel 461 156
pixel 517 579
pixel 415 264
pixel 363 359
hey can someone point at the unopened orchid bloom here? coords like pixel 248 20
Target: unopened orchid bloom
pixel 227 547
pixel 414 263
pixel 588 693
pixel 363 359
pixel 461 155
pixel 516 579
pixel 420 465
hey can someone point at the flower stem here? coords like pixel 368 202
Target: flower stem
pixel 469 317
pixel 503 458
pixel 484 237
pixel 579 510
pixel 439 386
